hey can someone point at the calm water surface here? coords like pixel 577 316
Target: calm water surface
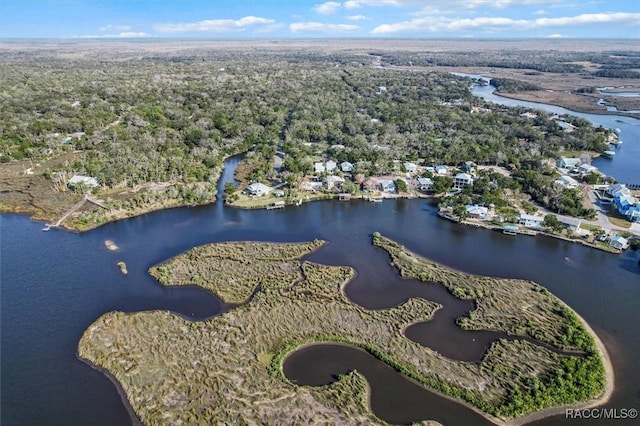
pixel 55 284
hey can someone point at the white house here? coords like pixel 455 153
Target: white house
pixel 568 163
pixel 424 184
pixel 318 167
pixel 311 186
pixel 572 223
pixel 87 181
pixel 619 242
pixel 410 167
pixel 258 189
pixel 587 168
pixel 462 179
pixel 331 166
pixel 477 212
pixel 530 221
pixel 387 185
pixel 567 181
pixel 334 182
pixel 347 167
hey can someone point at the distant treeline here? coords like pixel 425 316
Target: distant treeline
pixel 510 85
pixel 613 64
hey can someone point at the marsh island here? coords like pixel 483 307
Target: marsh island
pixel 229 367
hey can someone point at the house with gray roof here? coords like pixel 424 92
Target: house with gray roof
pixel 258 189
pixel 87 181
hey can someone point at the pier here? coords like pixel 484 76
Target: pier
pixel 72 210
pixel 276 205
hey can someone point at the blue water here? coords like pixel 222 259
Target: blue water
pixel 53 285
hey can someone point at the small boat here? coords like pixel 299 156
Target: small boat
pixel 616 142
pixel 299 202
pixel 609 154
pixel 375 200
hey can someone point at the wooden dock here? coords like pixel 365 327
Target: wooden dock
pixel 276 205
pixel 72 210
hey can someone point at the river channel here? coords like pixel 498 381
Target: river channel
pixel 55 284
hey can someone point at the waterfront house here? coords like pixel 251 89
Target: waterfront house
pixel 619 242
pixel 347 167
pixel 388 186
pixel 424 184
pixel 318 167
pixel 442 170
pixel 462 179
pixel 370 184
pixel 331 166
pixel 530 221
pixel 587 168
pixel 614 189
pixel 624 201
pixel 258 189
pixel 87 181
pixel 410 167
pixel 571 223
pixel 568 163
pixel 633 213
pixel 567 181
pixel 311 186
pixel 334 182
pixel 477 212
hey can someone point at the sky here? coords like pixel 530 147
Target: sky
pixel 272 19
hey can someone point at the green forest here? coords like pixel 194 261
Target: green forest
pixel 160 125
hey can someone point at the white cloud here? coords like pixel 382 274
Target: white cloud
pixel 327 8
pixel 540 12
pixel 556 36
pixel 355 4
pixel 116 27
pixel 216 25
pixel 435 24
pixel 132 34
pixel 358 18
pixel 125 34
pixel 474 6
pixel 320 27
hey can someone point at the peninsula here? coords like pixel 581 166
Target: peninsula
pixel 229 367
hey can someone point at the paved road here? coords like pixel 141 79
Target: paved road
pixel 601 217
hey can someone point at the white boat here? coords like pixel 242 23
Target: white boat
pixel 609 154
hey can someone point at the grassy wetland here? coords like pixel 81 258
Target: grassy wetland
pixel 229 368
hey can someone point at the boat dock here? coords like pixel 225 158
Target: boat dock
pixel 72 210
pixel 276 205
